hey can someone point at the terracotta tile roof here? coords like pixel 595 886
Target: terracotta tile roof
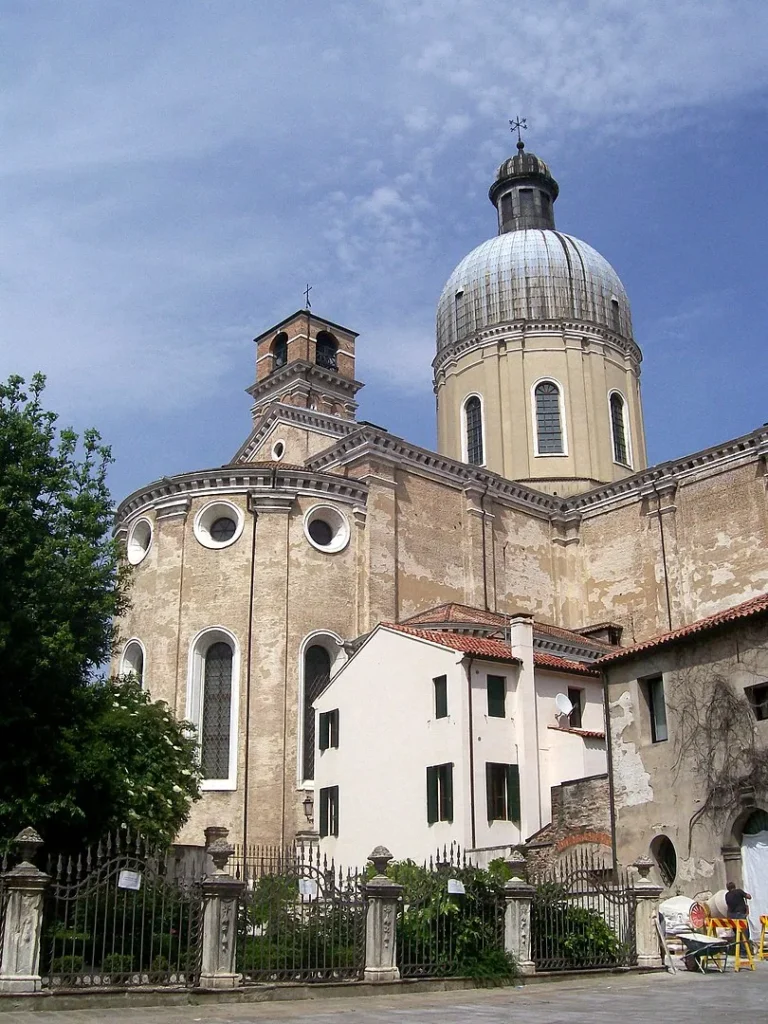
pixel 745 610
pixel 495 650
pixel 479 645
pixel 589 734
pixel 580 668
pixel 462 613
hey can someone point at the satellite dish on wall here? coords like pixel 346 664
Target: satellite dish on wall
pixel 563 705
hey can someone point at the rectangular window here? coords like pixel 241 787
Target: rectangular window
pixel 575 696
pixel 440 793
pixel 657 709
pixel 758 700
pixel 441 696
pixel 329 811
pixel 502 783
pixel 329 729
pixel 497 693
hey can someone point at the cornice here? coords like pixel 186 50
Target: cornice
pixel 298 369
pixel 270 480
pixel 520 329
pixel 295 415
pixel 664 478
pixel 367 442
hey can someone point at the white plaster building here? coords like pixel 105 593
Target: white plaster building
pixel 428 737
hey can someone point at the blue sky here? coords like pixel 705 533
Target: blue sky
pixel 173 173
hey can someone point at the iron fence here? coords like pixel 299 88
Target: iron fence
pixel 301 919
pixel 112 917
pixel 451 920
pixel 582 917
pixel 3 903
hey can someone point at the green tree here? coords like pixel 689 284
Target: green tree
pixel 77 755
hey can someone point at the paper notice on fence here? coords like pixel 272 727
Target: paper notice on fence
pixel 129 880
pixel 456 887
pixel 308 887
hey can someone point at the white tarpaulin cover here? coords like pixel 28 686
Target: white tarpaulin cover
pixel 675 912
pixel 754 859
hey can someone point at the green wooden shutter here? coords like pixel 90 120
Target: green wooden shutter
pixel 489 789
pixel 324 730
pixel 441 697
pixel 432 808
pixel 324 794
pixel 335 799
pixel 497 686
pixel 448 792
pixel 335 740
pixel 513 793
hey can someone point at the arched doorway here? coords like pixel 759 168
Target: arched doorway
pixel 754 864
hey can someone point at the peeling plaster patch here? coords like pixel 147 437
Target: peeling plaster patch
pixel 691 870
pixel 722 575
pixel 632 783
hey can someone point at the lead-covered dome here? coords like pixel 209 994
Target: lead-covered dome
pixel 531 275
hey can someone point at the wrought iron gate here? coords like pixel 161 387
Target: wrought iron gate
pixel 113 917
pixel 582 916
pixel 301 920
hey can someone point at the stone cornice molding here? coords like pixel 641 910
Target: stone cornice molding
pixel 257 480
pixel 519 330
pixel 375 444
pixel 293 415
pixel 311 373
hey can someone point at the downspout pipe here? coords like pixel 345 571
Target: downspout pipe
pixel 470 719
pixel 609 750
pixel 660 514
pixel 248 661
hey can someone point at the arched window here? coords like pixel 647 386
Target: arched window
pixel 619 430
pixel 317 675
pixel 215 726
pixel 473 414
pixel 280 350
pixel 549 427
pixel 212 705
pixel 325 350
pixel 132 661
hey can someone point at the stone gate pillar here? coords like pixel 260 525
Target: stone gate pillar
pixel 646 895
pixel 517 923
pixel 381 921
pixel 20 953
pixel 221 893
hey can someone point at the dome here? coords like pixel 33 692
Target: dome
pixel 531 275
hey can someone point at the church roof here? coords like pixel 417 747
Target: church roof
pixel 493 650
pixel 746 610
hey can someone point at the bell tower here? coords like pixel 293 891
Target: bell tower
pixel 308 362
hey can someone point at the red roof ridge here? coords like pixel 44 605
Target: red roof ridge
pixel 589 734
pixel 745 610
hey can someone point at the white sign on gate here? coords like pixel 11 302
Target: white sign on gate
pixel 129 880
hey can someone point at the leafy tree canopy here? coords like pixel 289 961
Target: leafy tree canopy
pixel 77 755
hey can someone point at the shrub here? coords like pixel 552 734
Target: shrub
pixel 117 963
pixel 67 965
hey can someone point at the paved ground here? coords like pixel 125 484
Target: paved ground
pixel 646 999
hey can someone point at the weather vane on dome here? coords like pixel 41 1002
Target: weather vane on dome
pixel 516 125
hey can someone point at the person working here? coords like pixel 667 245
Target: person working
pixel 736 901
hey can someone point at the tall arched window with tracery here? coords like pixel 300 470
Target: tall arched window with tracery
pixel 212 704
pixel 215 727
pixel 317 675
pixel 619 429
pixel 473 418
pixel 549 426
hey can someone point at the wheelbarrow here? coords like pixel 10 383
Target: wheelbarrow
pixel 701 948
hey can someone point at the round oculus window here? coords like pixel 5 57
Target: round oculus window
pixel 223 529
pixel 139 541
pixel 278 450
pixel 326 528
pixel 219 524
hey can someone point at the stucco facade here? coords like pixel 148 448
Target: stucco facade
pixel 390 732
pixel 406 528
pixel 698 782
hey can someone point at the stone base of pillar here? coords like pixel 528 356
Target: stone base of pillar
pixel 21 983
pixel 527 968
pixel 381 974
pixel 649 962
pixel 220 981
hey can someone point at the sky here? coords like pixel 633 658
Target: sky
pixel 174 173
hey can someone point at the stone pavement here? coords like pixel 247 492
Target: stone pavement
pixel 683 998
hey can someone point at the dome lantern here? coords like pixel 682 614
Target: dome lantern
pixel 524 192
